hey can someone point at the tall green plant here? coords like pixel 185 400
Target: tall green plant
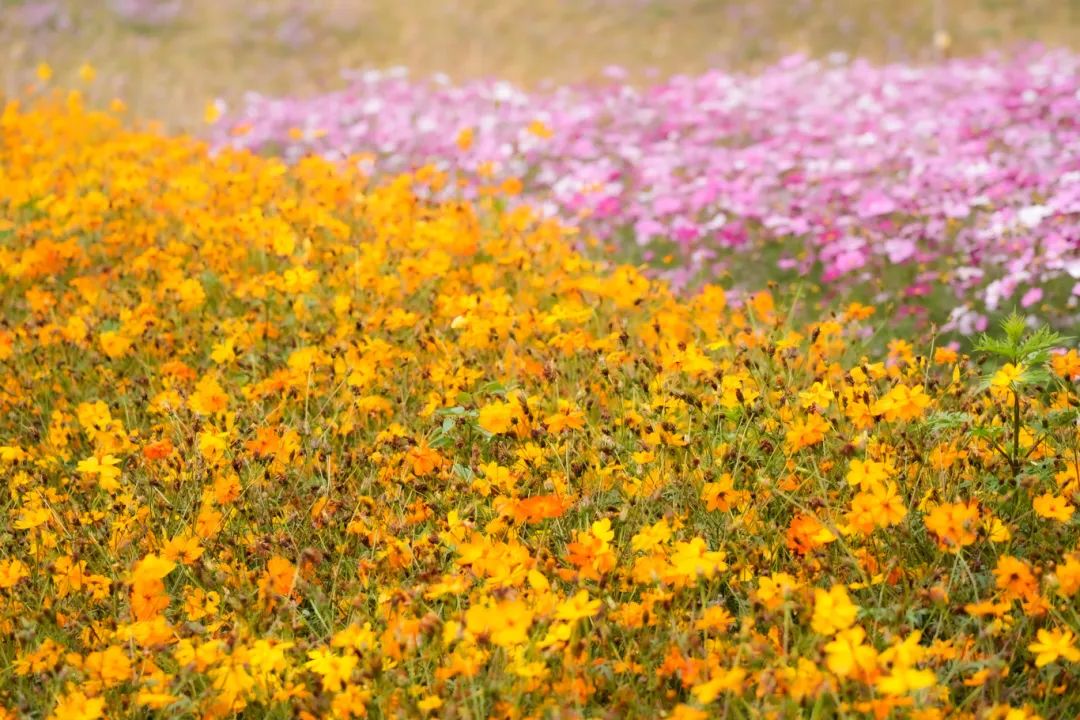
pixel 1025 358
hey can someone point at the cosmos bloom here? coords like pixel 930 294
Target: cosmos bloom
pixel 708 182
pixel 1052 645
pixel 540 507
pixel 77 706
pixel 499 417
pixel 104 469
pixel 282 440
pixel 1006 375
pixel 848 653
pixel 1053 507
pixel 833 610
pixel 954 524
pixel 806 432
pixel 902 403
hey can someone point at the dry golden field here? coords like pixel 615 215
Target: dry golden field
pixel 168 67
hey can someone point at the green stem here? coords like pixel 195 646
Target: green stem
pixel 1016 434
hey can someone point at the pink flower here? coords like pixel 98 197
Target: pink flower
pixel 968 169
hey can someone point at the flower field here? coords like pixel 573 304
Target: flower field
pixel 281 440
pixel 165 58
pixel 951 192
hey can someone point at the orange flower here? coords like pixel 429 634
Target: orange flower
pixel 722 495
pixel 804 433
pixel 158 450
pixel 568 417
pixel 1014 577
pixel 500 417
pixel 902 403
pixel 280 576
pixel 1053 507
pixel 538 508
pixel 1067 365
pixel 954 524
pixel 806 533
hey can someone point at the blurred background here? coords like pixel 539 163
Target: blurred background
pixel 167 58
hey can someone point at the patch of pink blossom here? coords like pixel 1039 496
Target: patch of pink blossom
pixel 961 177
pixel 147 12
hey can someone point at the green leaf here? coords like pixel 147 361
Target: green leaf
pixel 1014 327
pixel 942 421
pixel 991 432
pixel 995 346
pixel 463 472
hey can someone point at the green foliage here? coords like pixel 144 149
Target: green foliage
pixel 1028 354
pixel 1018 346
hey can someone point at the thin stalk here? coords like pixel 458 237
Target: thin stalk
pixel 1015 461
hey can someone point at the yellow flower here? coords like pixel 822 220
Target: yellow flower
pixel 954 524
pixel 333 670
pixel 506 623
pixel 1007 375
pixel 693 560
pixel 151 567
pixel 11 572
pixel 1053 644
pixel 578 607
pixel 775 590
pixel 280 576
pixel 354 637
pixel 902 403
pixel 833 610
pixel 77 706
pixel 111 665
pixel 108 475
pixel 722 495
pixel 429 703
pixel 568 417
pixel 1053 507
pixel 682 711
pixel 817 396
pixel 212 112
pixel 154 700
pixel 1067 575
pixel 804 433
pixel 868 474
pixel 114 344
pixel 499 417
pixel 30 518
pixel 904 680
pixel 723 681
pixel 847 653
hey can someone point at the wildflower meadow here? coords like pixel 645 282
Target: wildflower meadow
pixel 950 191
pixel 733 395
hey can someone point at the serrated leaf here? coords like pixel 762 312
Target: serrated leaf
pixel 1014 326
pixel 987 432
pixel 941 421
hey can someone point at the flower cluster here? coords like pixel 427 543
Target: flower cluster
pixel 278 440
pixel 956 184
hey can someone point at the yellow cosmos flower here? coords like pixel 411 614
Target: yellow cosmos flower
pixel 1052 645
